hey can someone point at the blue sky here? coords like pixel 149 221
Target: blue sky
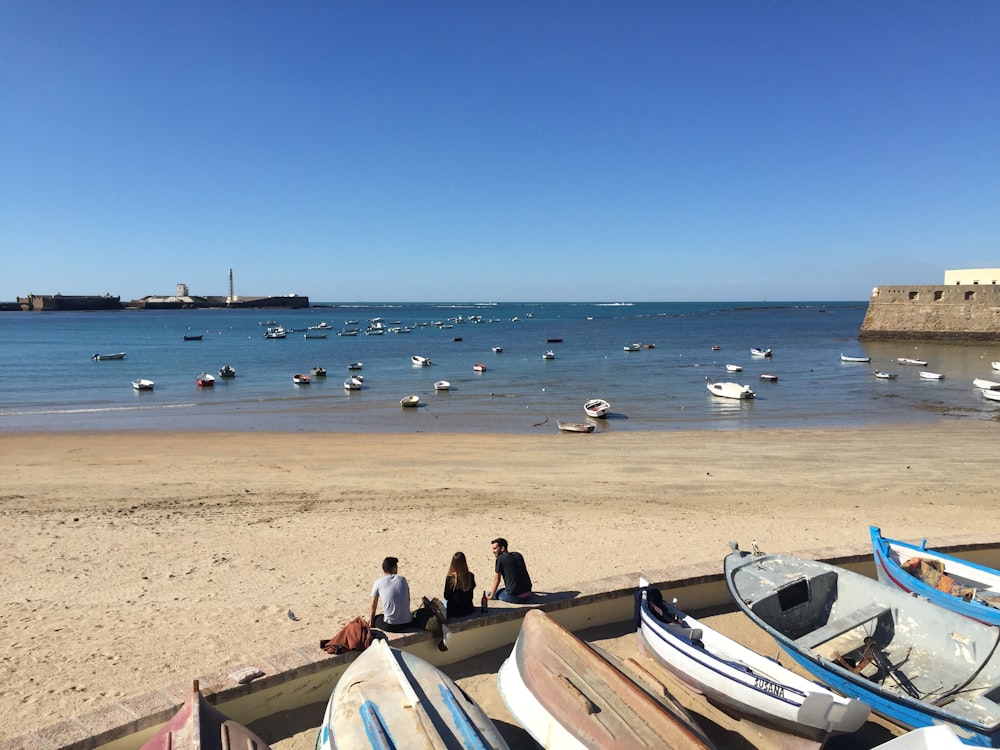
pixel 484 151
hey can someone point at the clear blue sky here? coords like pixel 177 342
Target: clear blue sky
pixel 480 151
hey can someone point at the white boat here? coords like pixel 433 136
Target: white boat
pixel 986 385
pixel 734 368
pixel 319 372
pixel 848 358
pixel 104 357
pixel 442 385
pixel 320 326
pixel 409 401
pixel 419 361
pixel 392 699
pixel 549 355
pixel 925 375
pixel 995 365
pixel 597 408
pixel 883 375
pixel 730 674
pixel 498 350
pixel 990 395
pixel 937 737
pixel 768 377
pixel 568 696
pixel 633 347
pixel 227 371
pixel 575 426
pixel 143 385
pixel 301 379
pixel 729 390
pixel 479 367
pixel 204 379
pixel 758 352
pixel 348 332
pixel 353 383
pixel 909 361
pixel 355 366
pixel 276 332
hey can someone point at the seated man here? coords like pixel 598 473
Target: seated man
pixel 394 592
pixel 516 581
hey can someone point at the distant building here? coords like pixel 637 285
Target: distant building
pixel 972 276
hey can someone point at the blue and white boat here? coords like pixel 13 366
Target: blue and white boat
pixel 912 661
pixel 389 698
pixel 959 585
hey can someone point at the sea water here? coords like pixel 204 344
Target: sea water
pixel 48 381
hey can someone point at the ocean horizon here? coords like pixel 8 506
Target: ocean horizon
pixel 660 387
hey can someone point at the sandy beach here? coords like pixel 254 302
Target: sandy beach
pixel 131 560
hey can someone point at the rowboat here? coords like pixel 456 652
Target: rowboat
pixel 143 385
pixel 732 675
pixel 990 395
pixel 883 375
pixel 848 358
pixel 758 352
pixel 314 335
pixel 479 367
pixel 925 375
pixel 950 582
pixel 227 371
pixel 409 401
pixel 199 724
pixel 419 361
pixel 193 336
pixel 728 390
pixel 549 355
pixel 498 350
pixel 912 661
pixel 103 357
pixel 633 347
pixel 734 368
pixel 986 385
pixel 319 372
pixel 204 380
pixel 301 379
pixel 597 408
pixel 909 361
pixel 575 426
pixel 442 385
pixel 566 695
pixel 353 383
pixel 392 699
pixel 768 377
pixel 355 366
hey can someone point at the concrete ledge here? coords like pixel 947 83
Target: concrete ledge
pixel 306 674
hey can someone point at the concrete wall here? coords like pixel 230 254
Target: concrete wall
pixel 952 313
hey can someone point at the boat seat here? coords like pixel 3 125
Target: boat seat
pixel 688 634
pixel 841 625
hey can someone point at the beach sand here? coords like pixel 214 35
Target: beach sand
pixel 134 560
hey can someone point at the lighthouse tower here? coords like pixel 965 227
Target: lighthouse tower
pixel 232 298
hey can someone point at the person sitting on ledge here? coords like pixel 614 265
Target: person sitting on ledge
pixel 394 592
pixel 516 581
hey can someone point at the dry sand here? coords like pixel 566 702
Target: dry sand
pixel 134 560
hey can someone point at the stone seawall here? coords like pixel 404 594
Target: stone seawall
pixel 944 313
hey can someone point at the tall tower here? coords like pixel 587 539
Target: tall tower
pixel 232 297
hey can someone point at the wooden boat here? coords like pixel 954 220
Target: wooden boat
pixel 354 366
pixel 227 371
pixel 193 336
pixel 926 375
pixel 633 347
pixel 847 358
pixel 883 375
pixel 909 361
pixel 409 401
pixel 729 390
pixel 986 385
pixel 498 350
pixel 479 367
pixel 143 385
pixel 575 426
pixel 950 582
pixel 912 661
pixel 758 352
pixel 392 699
pixel 734 676
pixel 734 368
pixel 104 357
pixel 990 395
pixel 199 724
pixel 549 355
pixel 566 695
pixel 419 361
pixel 597 408
pixel 442 385
pixel 319 372
pixel 204 380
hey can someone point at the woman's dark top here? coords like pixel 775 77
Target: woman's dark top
pixel 459 602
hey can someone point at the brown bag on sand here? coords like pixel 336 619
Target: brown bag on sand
pixel 354 636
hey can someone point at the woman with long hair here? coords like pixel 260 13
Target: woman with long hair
pixel 459 587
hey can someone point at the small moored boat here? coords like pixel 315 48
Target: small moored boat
pixel 729 390
pixel 849 358
pixel 143 385
pixel 734 368
pixel 597 408
pixel 419 361
pixel 990 395
pixel 909 361
pixel 925 375
pixel 758 352
pixel 442 385
pixel 498 350
pixel 104 357
pixel 479 367
pixel 199 724
pixel 575 426
pixel 409 401
pixel 354 366
pixel 227 371
pixel 204 380
pixel 319 372
pixel 633 347
pixel 986 385
pixel 193 336
pixel 301 379
pixel 276 332
pixel 353 383
pixel 883 375
pixel 767 377
pixel 549 355
pixel 315 335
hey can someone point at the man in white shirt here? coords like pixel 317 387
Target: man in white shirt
pixel 394 592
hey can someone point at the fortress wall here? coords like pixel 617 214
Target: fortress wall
pixel 938 312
